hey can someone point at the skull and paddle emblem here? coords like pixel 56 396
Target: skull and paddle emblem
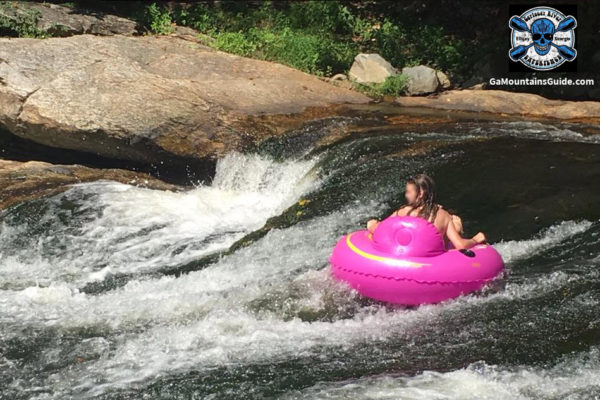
pixel 542 38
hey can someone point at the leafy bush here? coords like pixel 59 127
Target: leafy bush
pixel 305 51
pixel 423 45
pixel 234 42
pixel 321 16
pixel 318 37
pixel 394 85
pixel 301 50
pixel 24 23
pixel 157 19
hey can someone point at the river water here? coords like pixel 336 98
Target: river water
pixel 110 291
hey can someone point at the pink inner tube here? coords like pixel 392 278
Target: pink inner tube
pixel 404 262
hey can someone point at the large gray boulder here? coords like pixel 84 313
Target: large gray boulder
pixel 143 97
pixel 421 80
pixel 370 68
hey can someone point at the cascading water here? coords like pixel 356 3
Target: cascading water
pixel 266 319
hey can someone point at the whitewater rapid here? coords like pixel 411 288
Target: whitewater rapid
pixel 270 301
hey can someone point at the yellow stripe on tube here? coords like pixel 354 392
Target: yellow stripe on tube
pixel 386 260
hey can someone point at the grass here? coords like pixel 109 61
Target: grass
pixel 394 85
pixel 302 50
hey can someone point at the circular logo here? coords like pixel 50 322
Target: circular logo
pixel 542 38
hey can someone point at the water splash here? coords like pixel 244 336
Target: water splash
pixel 515 250
pixel 574 377
pixel 105 227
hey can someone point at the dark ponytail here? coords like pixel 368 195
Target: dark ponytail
pixel 425 185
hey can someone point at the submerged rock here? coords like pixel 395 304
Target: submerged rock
pixel 21 181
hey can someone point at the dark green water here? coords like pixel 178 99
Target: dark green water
pixel 89 311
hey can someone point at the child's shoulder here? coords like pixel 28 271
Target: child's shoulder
pixel 401 211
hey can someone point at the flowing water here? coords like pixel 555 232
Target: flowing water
pixel 110 291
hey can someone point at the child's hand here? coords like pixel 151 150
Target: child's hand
pixel 371 224
pixel 479 238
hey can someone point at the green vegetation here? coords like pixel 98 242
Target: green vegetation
pixel 318 37
pixel 16 20
pixel 393 86
pixel 308 52
pixel 157 19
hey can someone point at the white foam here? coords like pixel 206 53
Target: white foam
pixel 575 377
pixel 231 337
pixel 209 318
pixel 277 258
pixel 121 228
pixel 212 317
pixel 205 318
pixel 535 130
pixel 518 249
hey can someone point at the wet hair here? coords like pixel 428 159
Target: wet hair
pixel 425 185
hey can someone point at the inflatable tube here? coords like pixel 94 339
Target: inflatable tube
pixel 404 262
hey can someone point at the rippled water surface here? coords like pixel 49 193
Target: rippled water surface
pixel 111 291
